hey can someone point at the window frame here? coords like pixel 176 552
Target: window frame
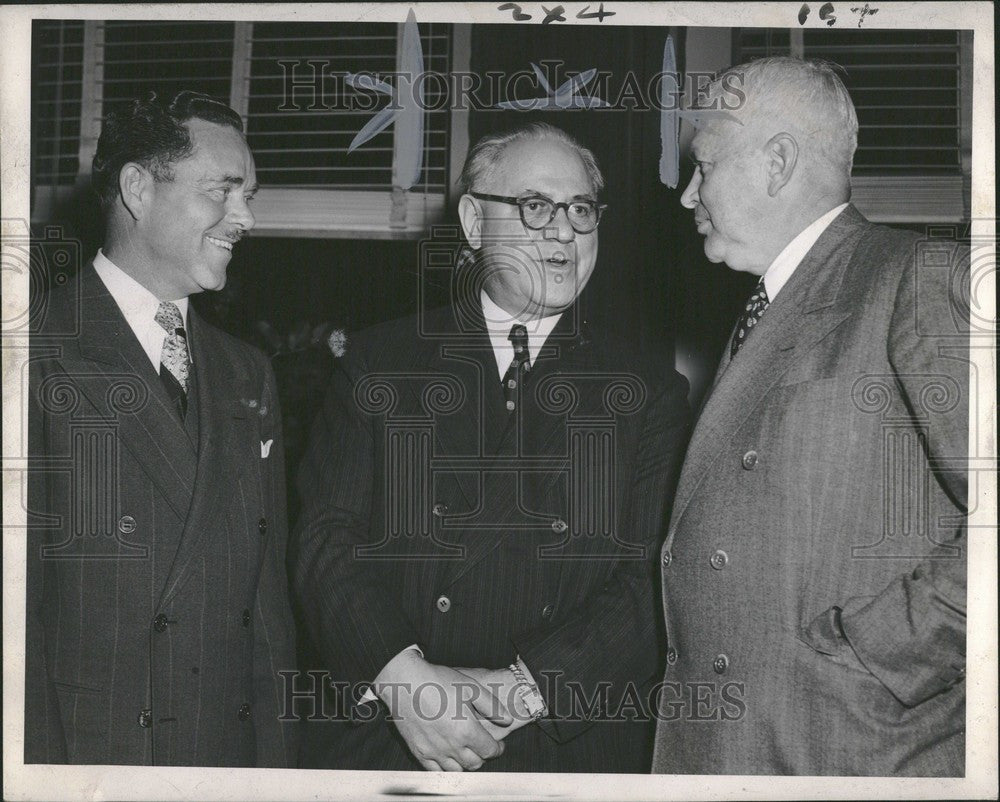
pixel 390 214
pixel 903 199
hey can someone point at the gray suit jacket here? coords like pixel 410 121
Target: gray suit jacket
pixel 823 494
pixel 157 606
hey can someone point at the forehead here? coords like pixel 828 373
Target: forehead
pixel 712 136
pixel 544 165
pixel 219 150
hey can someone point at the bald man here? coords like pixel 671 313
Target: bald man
pixel 814 568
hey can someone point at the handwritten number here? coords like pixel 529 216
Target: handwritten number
pixel 519 15
pixel 599 15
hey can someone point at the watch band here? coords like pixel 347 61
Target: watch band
pixel 528 693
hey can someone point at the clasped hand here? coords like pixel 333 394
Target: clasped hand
pixel 451 719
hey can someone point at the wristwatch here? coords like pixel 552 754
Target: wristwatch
pixel 528 694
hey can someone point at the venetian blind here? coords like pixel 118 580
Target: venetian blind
pixel 908 88
pixel 310 184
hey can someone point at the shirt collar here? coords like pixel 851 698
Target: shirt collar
pixel 138 306
pixel 781 269
pixel 135 301
pixel 498 325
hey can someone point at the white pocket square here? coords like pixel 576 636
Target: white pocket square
pixel 265 449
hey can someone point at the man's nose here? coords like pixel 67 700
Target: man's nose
pixel 559 227
pixel 690 197
pixel 240 214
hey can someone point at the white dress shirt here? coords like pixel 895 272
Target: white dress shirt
pixel 139 307
pixel 781 269
pixel 498 325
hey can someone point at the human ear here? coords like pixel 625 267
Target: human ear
pixel 134 185
pixel 782 154
pixel 470 213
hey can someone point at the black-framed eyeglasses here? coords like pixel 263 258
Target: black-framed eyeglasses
pixel 537 211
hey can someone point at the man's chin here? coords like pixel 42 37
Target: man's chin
pixel 213 282
pixel 713 253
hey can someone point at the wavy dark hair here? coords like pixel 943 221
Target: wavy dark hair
pixel 151 132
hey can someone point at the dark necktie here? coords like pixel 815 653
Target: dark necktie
pixel 751 315
pixel 519 367
pixel 174 362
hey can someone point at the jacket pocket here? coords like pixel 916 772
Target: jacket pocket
pixel 76 687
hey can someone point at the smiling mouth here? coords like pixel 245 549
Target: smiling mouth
pixel 222 243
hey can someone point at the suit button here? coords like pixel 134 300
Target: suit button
pixel 559 526
pixel 246 618
pixel 667 558
pixel 718 560
pixel 262 526
pixel 160 623
pixel 439 509
pixel 244 712
pixel 145 719
pixel 547 611
pixel 720 664
pixel 126 524
pixel 750 460
pixel 443 604
pixel 671 656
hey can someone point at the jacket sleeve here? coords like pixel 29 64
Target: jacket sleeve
pixel 613 642
pixel 355 617
pixel 274 629
pixel 912 635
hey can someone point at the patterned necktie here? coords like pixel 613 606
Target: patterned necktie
pixel 751 315
pixel 520 365
pixel 174 363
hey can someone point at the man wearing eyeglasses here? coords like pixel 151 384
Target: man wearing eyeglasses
pixel 484 501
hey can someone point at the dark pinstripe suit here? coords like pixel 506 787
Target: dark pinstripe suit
pixel 827 469
pixel 428 509
pixel 157 598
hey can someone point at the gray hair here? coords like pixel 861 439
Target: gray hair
pixel 807 95
pixel 481 163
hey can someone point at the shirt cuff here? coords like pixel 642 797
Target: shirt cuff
pixel 369 694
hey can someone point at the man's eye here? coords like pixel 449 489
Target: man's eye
pixel 220 193
pixel 533 205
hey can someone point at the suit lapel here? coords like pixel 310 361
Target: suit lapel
pixel 221 392
pixel 462 353
pixel 802 315
pixel 127 386
pixel 564 366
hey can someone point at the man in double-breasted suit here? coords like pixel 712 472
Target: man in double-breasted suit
pixel 814 568
pixel 157 608
pixel 484 500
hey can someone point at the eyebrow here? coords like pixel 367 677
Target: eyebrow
pixel 232 180
pixel 587 197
